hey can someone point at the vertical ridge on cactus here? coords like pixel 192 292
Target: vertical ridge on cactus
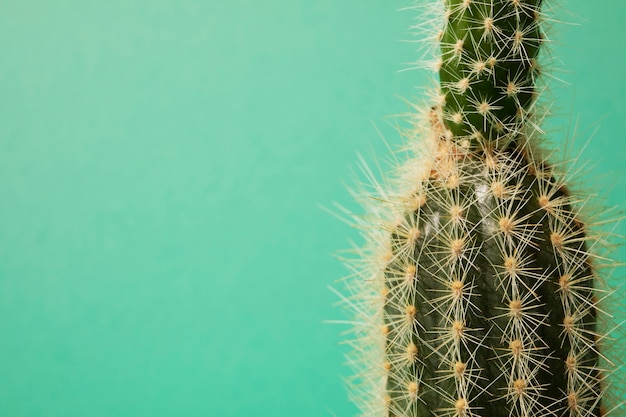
pixel 477 296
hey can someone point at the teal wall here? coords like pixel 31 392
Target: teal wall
pixel 162 251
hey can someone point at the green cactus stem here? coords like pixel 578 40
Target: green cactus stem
pixel 488 68
pixel 477 295
pixel 489 306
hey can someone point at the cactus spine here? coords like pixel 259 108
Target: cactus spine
pixel 476 297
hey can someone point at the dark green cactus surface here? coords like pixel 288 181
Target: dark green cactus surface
pixel 489 305
pixel 488 281
pixel 489 67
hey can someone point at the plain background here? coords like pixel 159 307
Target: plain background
pixel 162 163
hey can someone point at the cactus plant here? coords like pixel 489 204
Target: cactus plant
pixel 476 292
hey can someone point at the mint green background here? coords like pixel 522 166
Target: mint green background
pixel 162 252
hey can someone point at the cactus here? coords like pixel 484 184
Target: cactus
pixel 476 293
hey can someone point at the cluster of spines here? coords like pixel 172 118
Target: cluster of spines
pixel 478 296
